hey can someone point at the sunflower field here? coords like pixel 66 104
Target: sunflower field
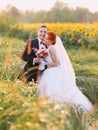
pixel 85 34
pixel 20 107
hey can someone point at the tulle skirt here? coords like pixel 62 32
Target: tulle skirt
pixel 57 84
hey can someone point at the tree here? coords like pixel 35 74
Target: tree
pixel 81 14
pixel 40 16
pixel 14 13
pixel 28 16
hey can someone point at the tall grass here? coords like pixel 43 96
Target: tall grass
pixel 20 107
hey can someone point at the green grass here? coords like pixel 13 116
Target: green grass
pixel 20 107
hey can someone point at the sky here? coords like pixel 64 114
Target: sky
pixel 37 5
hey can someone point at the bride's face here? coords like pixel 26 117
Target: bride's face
pixel 47 40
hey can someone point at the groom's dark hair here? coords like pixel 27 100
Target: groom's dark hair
pixel 43 26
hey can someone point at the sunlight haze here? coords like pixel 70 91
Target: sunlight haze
pixel 48 4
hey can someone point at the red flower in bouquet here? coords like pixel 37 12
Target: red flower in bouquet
pixel 41 53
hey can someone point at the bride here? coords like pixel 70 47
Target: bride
pixel 58 80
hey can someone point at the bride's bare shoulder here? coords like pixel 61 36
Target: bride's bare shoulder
pixel 52 50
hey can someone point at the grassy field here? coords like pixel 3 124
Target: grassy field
pixel 20 107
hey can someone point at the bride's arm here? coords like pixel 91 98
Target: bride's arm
pixel 55 61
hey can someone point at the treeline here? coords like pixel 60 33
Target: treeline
pixel 60 12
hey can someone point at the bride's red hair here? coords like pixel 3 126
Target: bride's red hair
pixel 52 37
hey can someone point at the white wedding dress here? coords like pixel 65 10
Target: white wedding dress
pixel 59 82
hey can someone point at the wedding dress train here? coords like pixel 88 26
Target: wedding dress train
pixel 59 83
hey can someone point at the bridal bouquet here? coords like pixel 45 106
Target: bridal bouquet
pixel 41 53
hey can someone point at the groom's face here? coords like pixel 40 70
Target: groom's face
pixel 42 31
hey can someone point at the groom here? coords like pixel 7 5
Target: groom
pixel 28 55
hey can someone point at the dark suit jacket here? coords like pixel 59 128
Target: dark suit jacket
pixel 30 70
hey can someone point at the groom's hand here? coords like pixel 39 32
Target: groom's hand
pixel 37 60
